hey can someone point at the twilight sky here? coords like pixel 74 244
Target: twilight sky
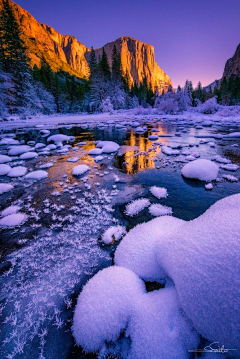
pixel 192 38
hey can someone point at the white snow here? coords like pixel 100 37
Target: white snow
pixel 10 210
pixel 230 178
pixel 5 159
pixel 98 158
pixel 39 145
pixel 209 186
pixel 221 159
pixel 158 329
pixel 169 151
pixel 203 260
pixel 18 171
pixel 104 307
pixel 201 169
pixel 46 165
pixel 113 234
pixel 4 169
pixel 5 187
pixel 108 146
pixel 59 139
pixel 153 137
pixel 80 169
pixel 159 192
pixel 137 250
pixel 230 167
pixel 13 220
pixel 28 155
pixel 73 159
pixel 37 175
pixel 136 206
pixel 18 150
pixel 95 151
pixel 157 210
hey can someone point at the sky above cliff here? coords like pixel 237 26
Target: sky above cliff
pixel 192 38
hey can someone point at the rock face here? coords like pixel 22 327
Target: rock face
pixel 232 66
pixel 64 52
pixel 139 60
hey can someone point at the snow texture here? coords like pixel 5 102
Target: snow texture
pixel 159 192
pixel 80 170
pixel 157 210
pixel 104 307
pixel 113 234
pixel 137 250
pixel 201 169
pixel 137 206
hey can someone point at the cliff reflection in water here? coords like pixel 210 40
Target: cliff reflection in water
pixel 139 152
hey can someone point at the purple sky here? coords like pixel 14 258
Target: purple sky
pixel 192 38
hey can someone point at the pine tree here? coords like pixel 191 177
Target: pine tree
pixel 104 66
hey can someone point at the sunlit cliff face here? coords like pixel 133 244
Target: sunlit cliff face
pixel 135 161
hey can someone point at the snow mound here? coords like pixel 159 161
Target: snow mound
pixel 5 159
pixel 10 210
pixel 104 307
pixel 108 146
pixel 157 210
pixel 13 220
pixel 95 151
pixel 203 260
pixel 136 206
pixel 221 159
pixel 137 250
pixel 59 139
pixel 19 150
pixel 4 169
pixel 153 137
pixel 73 159
pixel 18 171
pixel 209 186
pixel 46 165
pixel 37 175
pixel 203 170
pixel 113 234
pixel 230 178
pixel 80 170
pixel 158 329
pixel 5 187
pixel 230 167
pixel 159 192
pixel 169 151
pixel 28 155
pixel 98 158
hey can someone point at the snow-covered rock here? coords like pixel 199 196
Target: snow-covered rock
pixel 153 137
pixel 159 192
pixel 13 220
pixel 18 171
pixel 230 178
pixel 113 234
pixel 158 329
pixel 28 155
pixel 59 139
pixel 80 170
pixel 5 187
pixel 136 206
pixel 73 159
pixel 230 167
pixel 37 175
pixel 203 260
pixel 138 249
pixel 4 169
pixel 221 159
pixel 5 159
pixel 169 151
pixel 201 169
pixel 19 150
pixel 95 151
pixel 158 210
pixel 10 210
pixel 108 146
pixel 209 186
pixel 104 307
pixel 98 158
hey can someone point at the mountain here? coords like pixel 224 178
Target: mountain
pixel 65 52
pixel 213 85
pixel 232 66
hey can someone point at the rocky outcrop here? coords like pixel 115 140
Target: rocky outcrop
pixel 232 66
pixel 64 52
pixel 139 60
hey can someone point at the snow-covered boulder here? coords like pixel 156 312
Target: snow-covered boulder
pixel 137 250
pixel 104 307
pixel 169 151
pixel 19 150
pixel 28 155
pixel 18 171
pixel 158 329
pixel 5 159
pixel 201 169
pixel 60 138
pixel 4 169
pixel 10 210
pixel 80 170
pixel 5 187
pixel 37 175
pixel 108 146
pixel 203 260
pixel 13 220
pixel 113 234
pixel 95 151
